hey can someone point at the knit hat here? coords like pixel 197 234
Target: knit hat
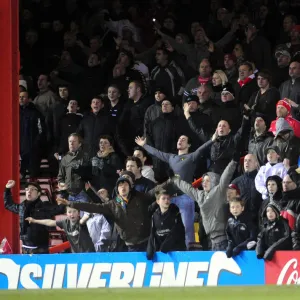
pixel 229 89
pixel 161 90
pixel 230 56
pixel 234 187
pixel 169 100
pixel 35 184
pixel 282 52
pixel 23 83
pixel 192 98
pixel 264 117
pixel 275 207
pixel 285 104
pixel 122 179
pixel 294 175
pixel 275 148
pixel 130 174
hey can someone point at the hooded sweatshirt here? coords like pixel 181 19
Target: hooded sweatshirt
pixel 289 148
pixel 213 206
pixel 291 121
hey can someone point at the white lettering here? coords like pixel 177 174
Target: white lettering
pixel 96 281
pixel 84 275
pixel 121 275
pixel 169 279
pixel 29 270
pixel 59 276
pixel 12 271
pixel 139 276
pixel 155 279
pixel 48 276
pixel 218 263
pixel 192 278
pixel 294 276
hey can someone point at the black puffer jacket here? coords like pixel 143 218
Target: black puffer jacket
pixel 133 222
pixel 104 171
pixel 92 127
pixel 240 231
pixel 249 194
pixel 167 232
pixel 32 234
pixel 258 144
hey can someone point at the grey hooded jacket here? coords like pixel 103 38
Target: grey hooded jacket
pixel 289 148
pixel 213 206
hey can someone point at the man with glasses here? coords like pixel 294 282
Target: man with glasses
pixel 34 237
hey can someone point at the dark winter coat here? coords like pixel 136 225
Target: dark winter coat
pixel 265 103
pixel 244 93
pixel 133 222
pixel 258 144
pixel 32 128
pixel 167 232
pixel 104 171
pixel 240 231
pixel 92 127
pixel 274 236
pixel 32 234
pixel 249 194
pixel 296 235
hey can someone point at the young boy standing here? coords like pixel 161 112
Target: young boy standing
pixel 275 234
pixel 240 230
pixel 76 231
pixel 167 230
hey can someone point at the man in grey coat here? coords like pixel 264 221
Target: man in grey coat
pixel 212 203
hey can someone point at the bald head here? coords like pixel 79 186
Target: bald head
pixel 250 163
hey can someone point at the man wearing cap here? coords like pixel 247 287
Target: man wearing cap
pixel 283 110
pixel 280 72
pixel 129 211
pixel 231 71
pixel 273 167
pixel 34 237
pixel 291 88
pixel 260 139
pixel 264 100
pixel 246 185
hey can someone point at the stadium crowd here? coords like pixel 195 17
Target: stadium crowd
pixel 131 102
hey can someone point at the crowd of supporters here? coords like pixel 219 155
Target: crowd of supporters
pixel 155 115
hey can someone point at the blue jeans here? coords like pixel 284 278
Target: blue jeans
pixel 187 209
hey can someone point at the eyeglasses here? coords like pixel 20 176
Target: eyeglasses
pixel 30 189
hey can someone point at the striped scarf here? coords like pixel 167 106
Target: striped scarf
pixel 122 200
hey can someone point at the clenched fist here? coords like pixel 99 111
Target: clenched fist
pixel 10 184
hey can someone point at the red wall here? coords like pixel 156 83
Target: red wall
pixel 9 114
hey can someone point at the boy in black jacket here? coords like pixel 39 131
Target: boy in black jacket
pixel 167 230
pixel 275 234
pixel 240 230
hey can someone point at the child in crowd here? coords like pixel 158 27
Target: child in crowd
pixel 75 229
pixel 240 230
pixel 275 234
pixel 273 167
pixel 167 230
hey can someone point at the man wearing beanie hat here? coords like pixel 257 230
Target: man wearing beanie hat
pixel 275 234
pixel 260 139
pixel 129 211
pixel 288 144
pixel 283 110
